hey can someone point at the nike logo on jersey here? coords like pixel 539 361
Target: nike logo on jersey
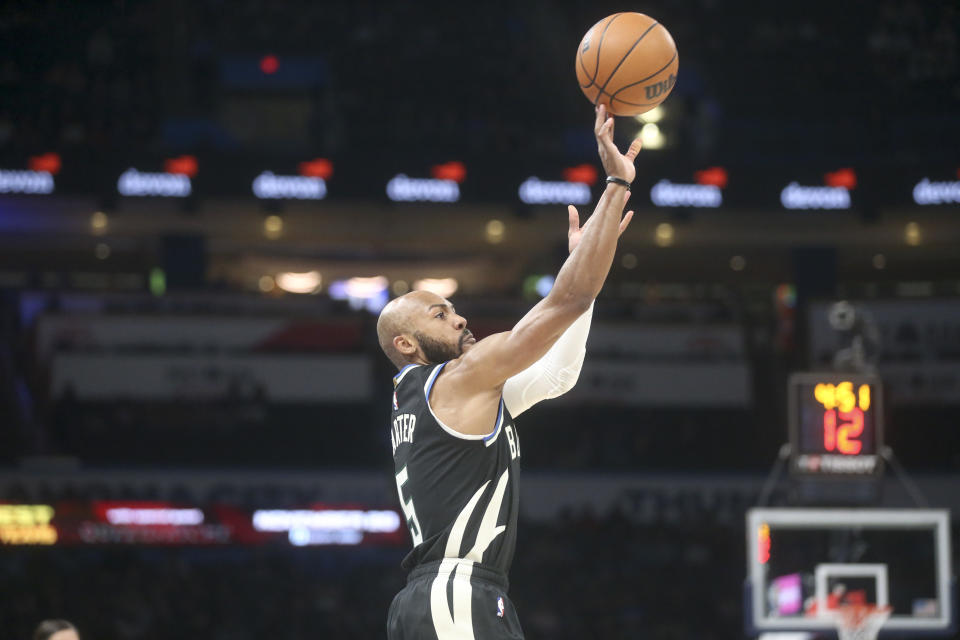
pixel 402 430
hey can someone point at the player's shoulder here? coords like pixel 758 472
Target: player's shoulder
pixel 461 381
pixel 482 357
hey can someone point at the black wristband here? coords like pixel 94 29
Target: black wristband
pixel 620 181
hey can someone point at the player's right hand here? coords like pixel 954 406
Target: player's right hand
pixel 575 232
pixel 619 165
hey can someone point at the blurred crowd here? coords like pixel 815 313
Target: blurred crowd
pixel 561 438
pixel 585 578
pixel 264 432
pixel 488 80
pixel 155 594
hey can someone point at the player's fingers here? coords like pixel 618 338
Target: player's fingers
pixel 634 149
pixel 574 216
pixel 625 222
pixel 608 128
pixel 599 120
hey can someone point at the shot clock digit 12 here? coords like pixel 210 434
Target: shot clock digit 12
pixel 836 424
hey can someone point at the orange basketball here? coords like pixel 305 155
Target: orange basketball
pixel 627 61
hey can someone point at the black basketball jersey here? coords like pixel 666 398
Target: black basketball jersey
pixel 459 493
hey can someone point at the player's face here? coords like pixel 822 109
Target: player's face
pixel 442 334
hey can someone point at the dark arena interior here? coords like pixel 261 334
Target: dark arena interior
pixel 205 204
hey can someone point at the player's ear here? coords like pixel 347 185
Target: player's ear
pixel 405 345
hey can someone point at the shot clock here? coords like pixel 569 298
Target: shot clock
pixel 836 424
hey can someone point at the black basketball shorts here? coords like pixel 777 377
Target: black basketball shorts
pixel 453 600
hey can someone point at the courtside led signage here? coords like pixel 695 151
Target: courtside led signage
pixel 27 524
pixel 707 192
pixel 147 516
pixel 37 179
pixel 326 526
pixel 834 195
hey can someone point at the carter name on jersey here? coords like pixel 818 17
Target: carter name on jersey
pixel 402 431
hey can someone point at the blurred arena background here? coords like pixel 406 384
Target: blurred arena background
pixel 204 204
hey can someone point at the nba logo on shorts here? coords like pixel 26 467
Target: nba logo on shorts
pixel 396 407
pixel 500 607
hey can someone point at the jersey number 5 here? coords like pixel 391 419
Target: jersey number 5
pixel 408 510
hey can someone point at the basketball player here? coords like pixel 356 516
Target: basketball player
pixel 55 630
pixel 456 450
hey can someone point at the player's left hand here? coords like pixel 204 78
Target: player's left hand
pixel 576 231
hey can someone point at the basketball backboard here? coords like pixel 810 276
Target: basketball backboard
pixel 801 563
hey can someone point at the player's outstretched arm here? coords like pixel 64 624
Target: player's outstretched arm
pixel 557 372
pixel 495 359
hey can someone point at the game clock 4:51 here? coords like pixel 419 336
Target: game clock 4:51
pixel 836 424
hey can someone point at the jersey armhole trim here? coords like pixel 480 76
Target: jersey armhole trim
pixel 427 388
pixel 399 377
pixel 491 438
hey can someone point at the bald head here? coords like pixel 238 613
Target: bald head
pixel 421 327
pixel 398 318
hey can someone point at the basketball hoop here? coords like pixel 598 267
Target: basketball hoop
pixel 859 621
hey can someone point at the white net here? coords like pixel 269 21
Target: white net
pixel 860 622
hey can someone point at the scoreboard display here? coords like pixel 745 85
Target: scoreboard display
pixel 836 424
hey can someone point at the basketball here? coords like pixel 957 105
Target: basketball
pixel 628 62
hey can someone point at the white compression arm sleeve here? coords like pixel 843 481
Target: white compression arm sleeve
pixel 552 375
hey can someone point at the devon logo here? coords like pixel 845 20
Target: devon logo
pixel 657 89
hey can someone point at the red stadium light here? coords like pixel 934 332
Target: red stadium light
pixel 49 162
pixel 183 165
pixel 715 176
pixel 316 168
pixel 269 64
pixel 845 178
pixel 453 170
pixel 584 173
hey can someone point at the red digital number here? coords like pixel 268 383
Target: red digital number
pixel 829 430
pixel 847 432
pixel 842 437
